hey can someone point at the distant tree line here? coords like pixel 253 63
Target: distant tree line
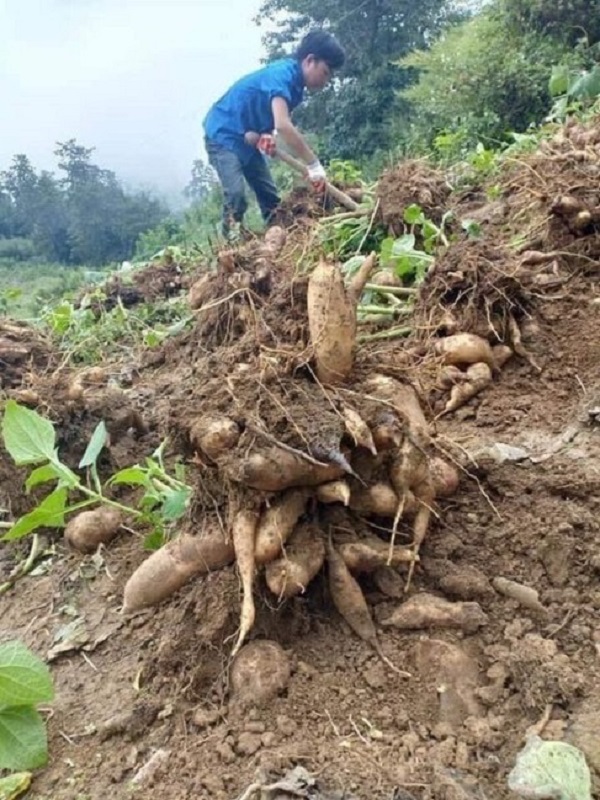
pixel 82 215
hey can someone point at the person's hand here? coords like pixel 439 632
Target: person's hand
pixel 267 144
pixel 317 176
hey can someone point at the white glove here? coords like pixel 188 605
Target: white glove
pixel 316 172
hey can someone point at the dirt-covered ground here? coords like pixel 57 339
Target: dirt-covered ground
pixel 526 510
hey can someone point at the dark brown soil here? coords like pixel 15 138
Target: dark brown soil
pixel 128 688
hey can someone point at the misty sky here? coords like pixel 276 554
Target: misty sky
pixel 132 78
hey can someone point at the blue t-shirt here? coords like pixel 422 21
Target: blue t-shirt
pixel 247 105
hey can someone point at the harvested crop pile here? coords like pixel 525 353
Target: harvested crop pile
pixel 298 453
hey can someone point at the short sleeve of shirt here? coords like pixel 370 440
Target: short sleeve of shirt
pixel 282 89
pixel 283 81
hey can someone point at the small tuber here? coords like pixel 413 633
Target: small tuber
pixel 91 528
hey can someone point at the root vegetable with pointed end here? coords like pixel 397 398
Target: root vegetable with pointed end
pixel 409 473
pixel 276 469
pixel 477 378
pixel 214 434
pixel 358 429
pixel 244 529
pixel 332 318
pixel 334 492
pixel 370 553
pixel 465 348
pixel 277 524
pixel 349 600
pixel 304 557
pixel 88 530
pixel 168 569
pixel 429 611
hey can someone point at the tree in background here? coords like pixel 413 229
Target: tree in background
pixel 104 222
pixel 202 182
pixel 82 217
pixel 488 76
pixel 567 20
pixel 353 117
pixel 19 182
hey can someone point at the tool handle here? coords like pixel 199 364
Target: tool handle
pixel 336 193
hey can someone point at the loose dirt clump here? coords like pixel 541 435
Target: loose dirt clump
pixel 22 350
pixel 411 182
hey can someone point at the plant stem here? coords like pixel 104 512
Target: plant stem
pixel 105 501
pixel 393 333
pixel 372 309
pixel 400 291
pixel 360 212
pixel 25 567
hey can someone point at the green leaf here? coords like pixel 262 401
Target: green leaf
pixel 49 514
pixel 559 80
pixel 61 317
pixel 97 442
pixel 28 437
pixel 587 86
pixel 41 475
pixel 24 678
pixel 550 770
pixel 14 786
pixel 153 338
pixel 155 540
pixel 131 476
pixel 175 504
pixel 471 228
pixel 352 266
pixel 413 215
pixel 23 741
pixel 385 250
pixel 404 244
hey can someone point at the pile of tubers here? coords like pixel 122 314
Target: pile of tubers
pixel 299 509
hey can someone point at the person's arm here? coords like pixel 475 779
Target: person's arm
pixel 296 142
pixel 288 131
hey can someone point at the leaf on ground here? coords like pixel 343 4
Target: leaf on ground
pixel 550 771
pixel 49 514
pixel 23 740
pixel 28 437
pixel 14 786
pixel 41 475
pixel 24 678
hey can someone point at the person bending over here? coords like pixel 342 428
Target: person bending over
pixel 241 127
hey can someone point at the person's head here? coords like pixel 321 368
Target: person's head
pixel 319 54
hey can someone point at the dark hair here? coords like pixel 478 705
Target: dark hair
pixel 321 45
